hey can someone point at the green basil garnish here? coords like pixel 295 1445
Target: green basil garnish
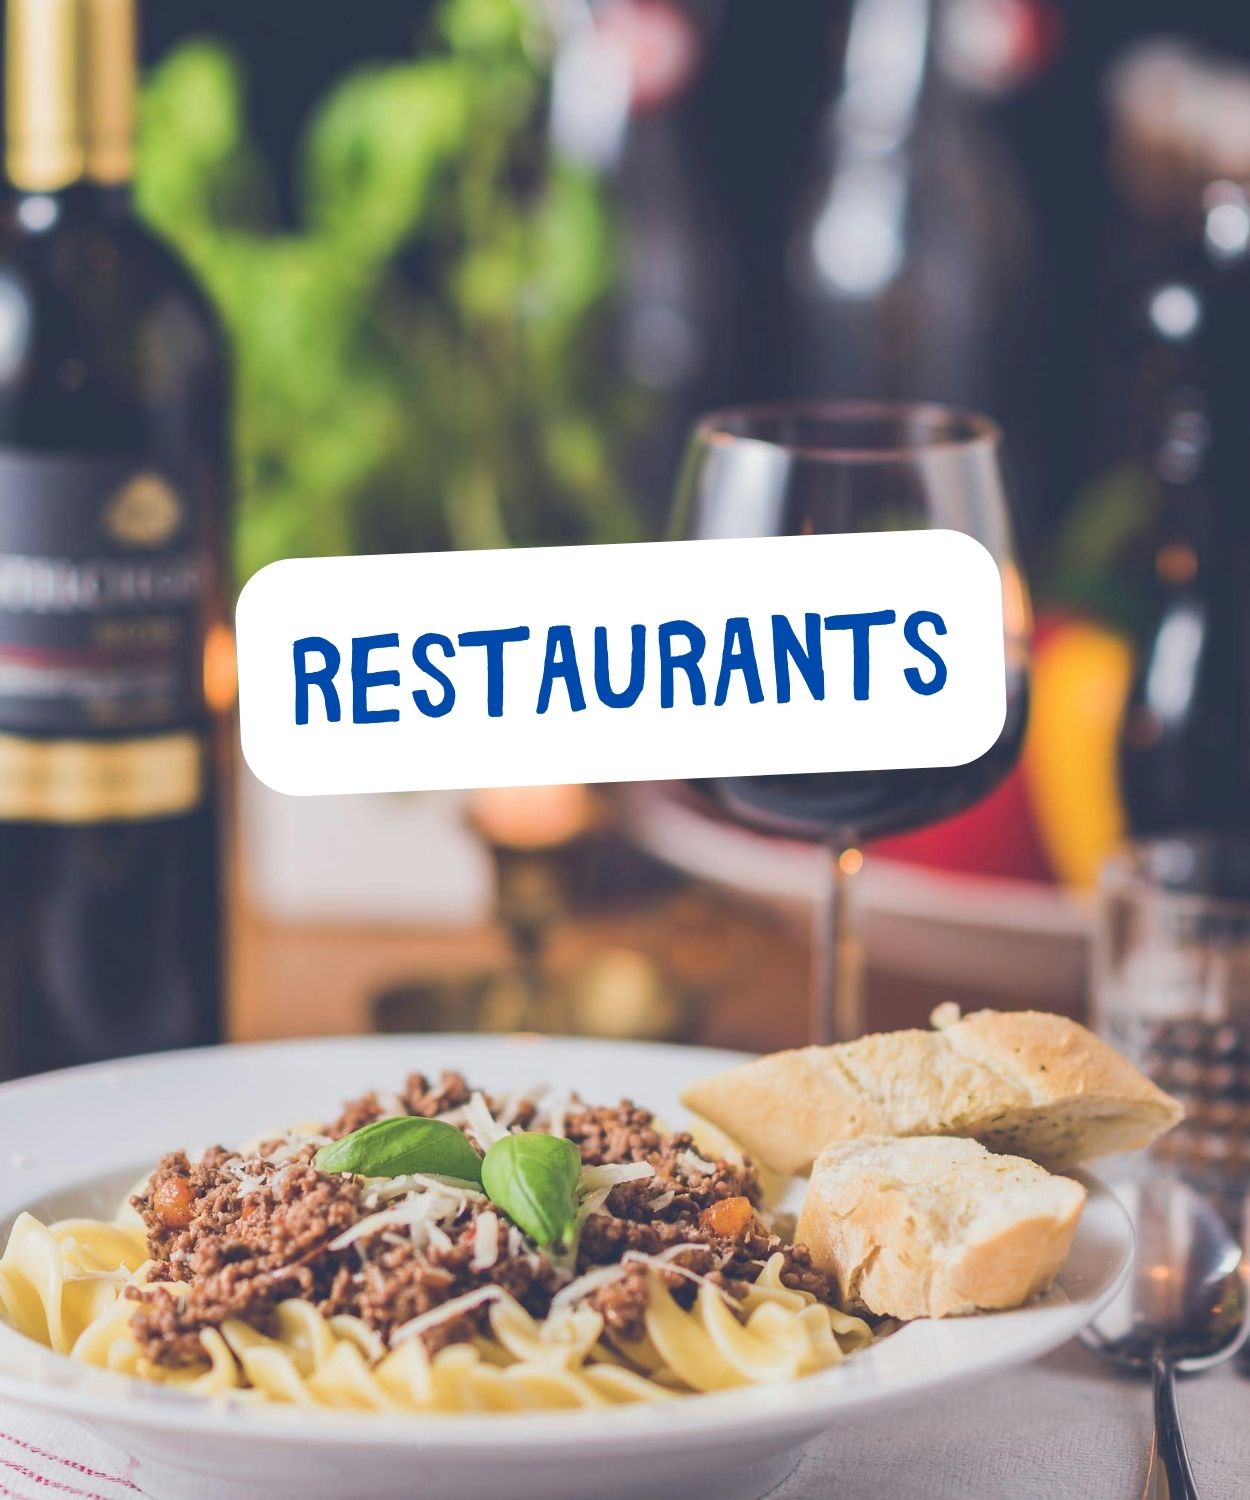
pixel 533 1178
pixel 407 1143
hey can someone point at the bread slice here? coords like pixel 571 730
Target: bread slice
pixel 934 1226
pixel 1022 1081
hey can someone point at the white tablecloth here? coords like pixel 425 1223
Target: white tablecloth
pixel 1066 1428
pixel 1063 1429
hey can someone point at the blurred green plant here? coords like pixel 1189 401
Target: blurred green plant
pixel 1101 560
pixel 415 361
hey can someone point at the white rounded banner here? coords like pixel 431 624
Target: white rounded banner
pixel 635 662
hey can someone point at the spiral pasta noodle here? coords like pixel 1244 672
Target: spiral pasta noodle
pixel 62 1285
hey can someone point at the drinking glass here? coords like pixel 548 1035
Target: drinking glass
pixel 1171 989
pixel 798 468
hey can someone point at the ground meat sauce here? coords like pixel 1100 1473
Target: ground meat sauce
pixel 244 1233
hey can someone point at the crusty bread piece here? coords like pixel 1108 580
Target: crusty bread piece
pixel 1021 1081
pixel 932 1226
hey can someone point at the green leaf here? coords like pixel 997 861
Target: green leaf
pixel 199 172
pixel 373 151
pixel 393 1147
pixel 533 1178
pixel 486 28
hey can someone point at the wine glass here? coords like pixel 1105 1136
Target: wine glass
pixel 804 467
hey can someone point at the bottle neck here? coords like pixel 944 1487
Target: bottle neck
pixel 1225 349
pixel 887 71
pixel 69 94
pixel 80 202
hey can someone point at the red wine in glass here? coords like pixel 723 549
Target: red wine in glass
pixel 804 468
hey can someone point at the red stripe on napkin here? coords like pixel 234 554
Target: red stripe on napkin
pixel 51 1484
pixel 69 1463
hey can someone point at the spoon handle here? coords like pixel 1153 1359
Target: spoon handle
pixel 1168 1437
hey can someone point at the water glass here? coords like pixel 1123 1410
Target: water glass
pixel 1172 991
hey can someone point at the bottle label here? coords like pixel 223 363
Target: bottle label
pixel 104 579
pixel 96 781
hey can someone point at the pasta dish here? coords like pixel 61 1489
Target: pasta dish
pixel 438 1250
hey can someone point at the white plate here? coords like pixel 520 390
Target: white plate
pixel 71 1142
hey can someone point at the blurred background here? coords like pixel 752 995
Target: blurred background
pixel 481 262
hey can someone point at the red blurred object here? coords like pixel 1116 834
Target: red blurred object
pixel 996 837
pixel 998 46
pixel 1001 836
pixel 662 44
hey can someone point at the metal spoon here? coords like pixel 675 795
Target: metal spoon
pixel 1184 1307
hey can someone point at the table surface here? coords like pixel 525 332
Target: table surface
pixel 1066 1428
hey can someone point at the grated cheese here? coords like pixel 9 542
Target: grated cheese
pixel 293 1142
pixel 592 1203
pixel 407 1214
pixel 672 1268
pixel 584 1285
pixel 557 1113
pixel 508 1114
pixel 446 1310
pixel 119 1277
pixel 593 1178
pixel 248 1182
pixel 482 1123
pixel 382 1189
pixel 695 1163
pixel 486 1240
pixel 662 1201
pixel 671 1252
pixel 439 1238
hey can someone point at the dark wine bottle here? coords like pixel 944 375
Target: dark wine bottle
pixel 1185 754
pixel 112 479
pixel 911 254
pixel 624 72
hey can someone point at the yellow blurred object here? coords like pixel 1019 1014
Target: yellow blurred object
pixel 531 817
pixel 1082 674
pixel 221 674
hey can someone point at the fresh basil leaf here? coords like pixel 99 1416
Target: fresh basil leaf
pixel 533 1178
pixel 392 1147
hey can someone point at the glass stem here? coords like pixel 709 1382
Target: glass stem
pixel 837 954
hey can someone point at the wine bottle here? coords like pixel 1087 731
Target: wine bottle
pixel 912 249
pixel 112 476
pixel 624 71
pixel 1185 756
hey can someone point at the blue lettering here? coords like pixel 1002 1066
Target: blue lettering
pixel 738 655
pixel 859 626
pixel 688 660
pixel 494 641
pixel 637 667
pixel 421 656
pixel 322 677
pixel 911 634
pixel 560 661
pixel 363 679
pixel 810 662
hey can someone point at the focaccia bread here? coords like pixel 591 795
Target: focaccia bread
pixel 1021 1081
pixel 934 1226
